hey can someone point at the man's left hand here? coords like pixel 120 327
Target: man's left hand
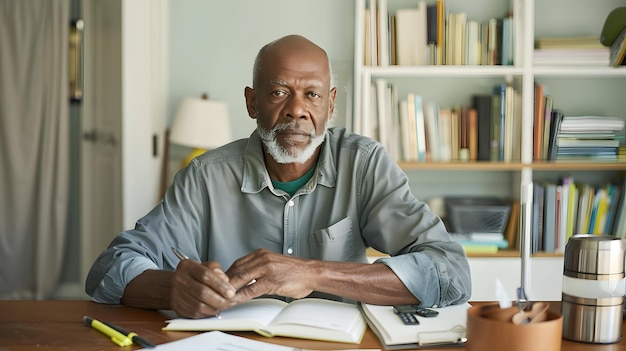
pixel 264 272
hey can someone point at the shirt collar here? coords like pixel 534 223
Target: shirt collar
pixel 256 177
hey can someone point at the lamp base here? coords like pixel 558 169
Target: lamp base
pixel 193 154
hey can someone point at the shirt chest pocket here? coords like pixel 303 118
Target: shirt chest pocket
pixel 336 243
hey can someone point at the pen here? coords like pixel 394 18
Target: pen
pixel 181 256
pixel 133 336
pixel 116 336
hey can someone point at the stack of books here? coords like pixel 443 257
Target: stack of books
pixel 570 51
pixel 589 138
pixel 570 207
pixel 481 243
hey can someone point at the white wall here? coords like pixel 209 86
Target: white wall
pixel 213 45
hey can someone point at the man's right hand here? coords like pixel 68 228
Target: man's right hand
pixel 200 289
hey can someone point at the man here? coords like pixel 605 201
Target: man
pixel 288 211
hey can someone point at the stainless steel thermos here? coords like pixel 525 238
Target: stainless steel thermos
pixel 593 289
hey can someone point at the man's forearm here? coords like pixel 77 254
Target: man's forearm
pixel 369 283
pixel 151 289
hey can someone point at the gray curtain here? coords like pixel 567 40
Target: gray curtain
pixel 34 145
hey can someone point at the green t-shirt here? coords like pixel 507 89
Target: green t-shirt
pixel 293 186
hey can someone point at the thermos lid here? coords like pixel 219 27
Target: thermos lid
pixel 594 254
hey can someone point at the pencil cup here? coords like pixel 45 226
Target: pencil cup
pixel 490 327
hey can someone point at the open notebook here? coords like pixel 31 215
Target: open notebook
pixel 309 318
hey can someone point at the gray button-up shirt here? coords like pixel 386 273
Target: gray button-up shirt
pixel 223 206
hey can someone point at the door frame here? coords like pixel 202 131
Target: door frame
pixel 125 108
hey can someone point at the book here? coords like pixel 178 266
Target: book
pixel 549 218
pixel 310 318
pixel 572 142
pixel 463 113
pixel 482 104
pixel 448 328
pixel 482 247
pixel 547 126
pixel 411 36
pixel 440 31
pixel 473 134
pixel 445 134
pixel 412 133
pixel 619 227
pixel 420 128
pixel 477 236
pixel 431 33
pixel 500 92
pixel 537 215
pixel 383 33
pixel 538 122
pixel 431 115
pixel 512 226
pixel 557 118
pixel 584 42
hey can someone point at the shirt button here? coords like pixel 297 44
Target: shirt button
pixel 290 250
pixel 290 203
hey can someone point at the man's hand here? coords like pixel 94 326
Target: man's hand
pixel 271 273
pixel 200 290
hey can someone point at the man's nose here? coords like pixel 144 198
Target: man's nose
pixel 296 107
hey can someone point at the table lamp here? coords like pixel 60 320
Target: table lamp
pixel 201 124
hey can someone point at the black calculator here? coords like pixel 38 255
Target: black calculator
pixel 408 318
pixel 415 310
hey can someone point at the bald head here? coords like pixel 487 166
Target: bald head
pixel 290 47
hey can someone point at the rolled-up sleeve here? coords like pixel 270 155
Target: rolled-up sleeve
pixel 434 268
pixel 434 279
pixel 111 287
pixel 175 222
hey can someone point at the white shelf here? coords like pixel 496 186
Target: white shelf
pixel 441 71
pixel 579 71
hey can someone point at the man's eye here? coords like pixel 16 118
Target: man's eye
pixel 279 93
pixel 314 95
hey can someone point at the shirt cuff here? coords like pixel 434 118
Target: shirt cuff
pixel 418 274
pixel 111 287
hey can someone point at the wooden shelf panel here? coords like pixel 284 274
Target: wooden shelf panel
pixel 502 253
pixel 462 166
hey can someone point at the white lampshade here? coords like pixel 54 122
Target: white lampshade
pixel 201 123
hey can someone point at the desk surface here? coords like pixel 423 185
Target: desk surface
pixel 58 325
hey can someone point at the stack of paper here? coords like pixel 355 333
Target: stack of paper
pixel 218 341
pixel 589 137
pixel 571 51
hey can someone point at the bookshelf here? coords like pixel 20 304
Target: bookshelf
pixel 577 89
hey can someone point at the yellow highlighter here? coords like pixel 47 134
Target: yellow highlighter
pixel 115 336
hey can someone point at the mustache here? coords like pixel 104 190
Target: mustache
pixel 293 125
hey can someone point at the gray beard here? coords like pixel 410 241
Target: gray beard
pixel 284 156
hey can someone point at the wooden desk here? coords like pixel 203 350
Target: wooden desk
pixel 58 325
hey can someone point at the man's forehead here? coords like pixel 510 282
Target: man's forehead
pixel 309 82
pixel 291 72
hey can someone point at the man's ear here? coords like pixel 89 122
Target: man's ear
pixel 250 96
pixel 331 103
